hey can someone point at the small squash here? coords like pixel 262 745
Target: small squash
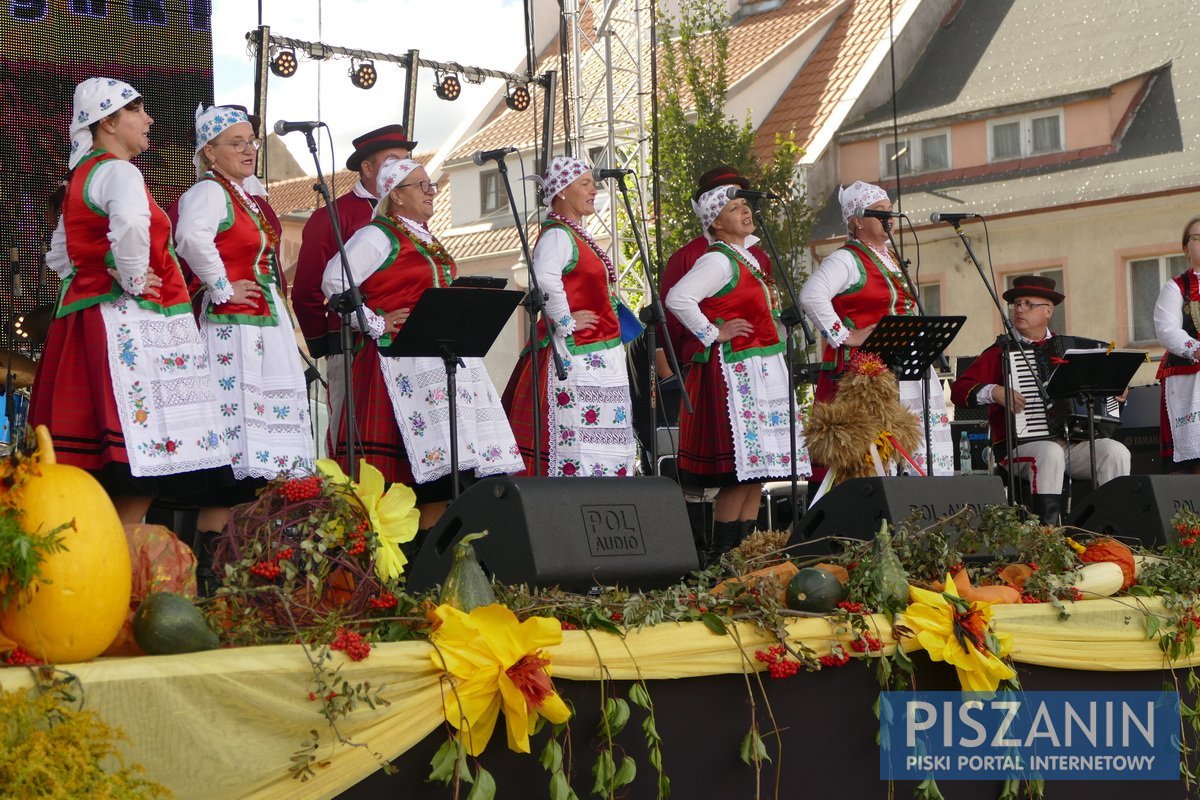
pixel 167 624
pixel 893 579
pixel 79 606
pixel 1105 549
pixel 814 590
pixel 467 585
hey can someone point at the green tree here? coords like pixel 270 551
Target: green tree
pixel 695 133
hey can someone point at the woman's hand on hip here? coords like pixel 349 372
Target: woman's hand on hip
pixel 732 328
pixel 585 320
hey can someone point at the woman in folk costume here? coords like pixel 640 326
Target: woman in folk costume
pixel 228 237
pixel 586 424
pixel 738 434
pixel 1176 321
pixel 123 383
pixel 400 403
pixel 849 292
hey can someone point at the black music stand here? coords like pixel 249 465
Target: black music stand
pixel 908 346
pixel 1088 375
pixel 450 324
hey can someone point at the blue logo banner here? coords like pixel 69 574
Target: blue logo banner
pixel 1048 735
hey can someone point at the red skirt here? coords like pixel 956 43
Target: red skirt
pixel 706 456
pixel 73 393
pixel 518 405
pixel 378 434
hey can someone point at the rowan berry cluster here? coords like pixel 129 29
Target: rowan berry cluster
pixel 779 665
pixel 299 489
pixel 267 570
pixel 352 644
pixel 19 658
pixel 836 658
pixel 384 602
pixel 866 642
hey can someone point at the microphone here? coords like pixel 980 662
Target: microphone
pixel 953 219
pixel 875 213
pixel 492 155
pixel 14 257
pixel 750 194
pixel 601 174
pixel 284 128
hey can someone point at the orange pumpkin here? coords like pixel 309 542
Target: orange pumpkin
pixel 78 608
pixel 1111 550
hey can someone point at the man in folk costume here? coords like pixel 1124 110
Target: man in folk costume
pixel 739 433
pixel 849 292
pixel 319 323
pixel 1043 462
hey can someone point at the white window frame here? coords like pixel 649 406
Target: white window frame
pixel 922 293
pixel 1026 121
pixel 1164 274
pixel 915 155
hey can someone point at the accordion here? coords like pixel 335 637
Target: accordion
pixel 1066 418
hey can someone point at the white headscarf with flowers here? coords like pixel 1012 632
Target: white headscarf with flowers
pixel 561 173
pixel 210 124
pixel 391 174
pixel 858 196
pixel 711 204
pixel 95 99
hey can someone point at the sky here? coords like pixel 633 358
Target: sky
pixel 482 33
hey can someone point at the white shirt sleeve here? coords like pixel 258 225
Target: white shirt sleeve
pixel 836 273
pixel 119 190
pixel 57 258
pixel 366 252
pixel 1168 323
pixel 202 210
pixel 551 254
pixel 706 277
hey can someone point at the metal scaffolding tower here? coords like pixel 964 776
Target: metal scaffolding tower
pixel 608 97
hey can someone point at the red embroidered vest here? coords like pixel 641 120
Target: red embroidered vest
pixel 91 254
pixel 585 280
pixel 747 297
pixel 877 294
pixel 410 269
pixel 1171 364
pixel 247 254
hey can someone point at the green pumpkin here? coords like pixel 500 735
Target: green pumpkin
pixel 814 590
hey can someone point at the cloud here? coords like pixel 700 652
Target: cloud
pixel 494 38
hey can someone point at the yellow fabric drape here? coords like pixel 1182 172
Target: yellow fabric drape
pixel 224 724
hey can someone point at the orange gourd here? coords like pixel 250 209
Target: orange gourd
pixel 78 607
pixel 1111 550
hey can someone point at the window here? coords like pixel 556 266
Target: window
pixel 926 152
pixel 1058 320
pixel 930 295
pixel 491 194
pixel 1030 135
pixel 1146 277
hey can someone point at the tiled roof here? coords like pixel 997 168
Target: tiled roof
pixel 753 42
pixel 810 100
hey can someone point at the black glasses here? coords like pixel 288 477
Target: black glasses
pixel 1193 237
pixel 1025 305
pixel 425 186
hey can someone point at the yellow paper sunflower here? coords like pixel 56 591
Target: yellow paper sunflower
pixel 959 632
pixel 496 663
pixel 394 515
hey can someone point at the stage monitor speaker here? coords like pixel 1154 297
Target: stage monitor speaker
pixel 1139 430
pixel 1138 507
pixel 854 508
pixel 576 533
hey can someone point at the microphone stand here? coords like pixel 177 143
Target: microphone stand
pixel 942 362
pixel 790 317
pixel 1011 333
pixel 349 304
pixel 535 303
pixel 652 316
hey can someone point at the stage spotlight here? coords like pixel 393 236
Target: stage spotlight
pixel 518 98
pixel 363 74
pixel 284 63
pixel 448 87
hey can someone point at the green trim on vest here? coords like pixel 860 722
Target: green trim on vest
pixel 265 280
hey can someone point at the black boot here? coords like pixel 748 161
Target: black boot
pixel 204 545
pixel 745 528
pixel 1048 507
pixel 726 536
pixel 701 533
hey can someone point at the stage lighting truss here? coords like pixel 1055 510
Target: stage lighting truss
pixel 285 63
pixel 363 74
pixel 518 98
pixel 448 86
